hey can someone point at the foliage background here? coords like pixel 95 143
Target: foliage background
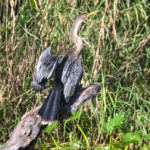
pixel 116 55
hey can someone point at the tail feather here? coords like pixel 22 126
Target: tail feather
pixel 49 111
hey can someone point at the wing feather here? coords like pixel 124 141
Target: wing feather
pixel 46 66
pixel 73 76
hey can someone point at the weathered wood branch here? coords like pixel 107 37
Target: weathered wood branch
pixel 25 135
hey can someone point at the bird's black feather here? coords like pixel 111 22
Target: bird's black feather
pixel 71 75
pixel 46 66
pixel 50 108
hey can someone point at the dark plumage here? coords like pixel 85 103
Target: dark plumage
pixel 71 75
pixel 68 72
pixel 46 66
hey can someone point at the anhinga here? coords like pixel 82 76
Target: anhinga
pixel 67 71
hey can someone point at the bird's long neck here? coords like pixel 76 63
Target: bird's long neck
pixel 74 36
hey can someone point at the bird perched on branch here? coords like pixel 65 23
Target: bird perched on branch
pixel 67 70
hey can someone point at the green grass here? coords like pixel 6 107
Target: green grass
pixel 116 55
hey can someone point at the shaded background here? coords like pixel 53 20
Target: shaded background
pixel 116 55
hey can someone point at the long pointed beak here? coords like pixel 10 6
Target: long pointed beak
pixel 92 13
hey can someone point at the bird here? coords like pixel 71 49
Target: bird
pixel 67 70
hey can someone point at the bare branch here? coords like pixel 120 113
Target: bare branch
pixel 29 128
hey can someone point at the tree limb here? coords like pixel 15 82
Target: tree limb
pixel 25 135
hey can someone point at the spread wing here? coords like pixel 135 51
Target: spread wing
pixel 71 75
pixel 46 66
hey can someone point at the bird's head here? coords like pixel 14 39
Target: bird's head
pixel 85 16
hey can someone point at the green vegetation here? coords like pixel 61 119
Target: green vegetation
pixel 116 55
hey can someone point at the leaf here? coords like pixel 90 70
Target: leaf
pixel 108 128
pixel 102 148
pixel 126 139
pixel 85 137
pixel 113 124
pixel 130 138
pixel 147 137
pixel 146 147
pixel 118 119
pixel 43 148
pixel 55 142
pixel 75 116
pixel 51 127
